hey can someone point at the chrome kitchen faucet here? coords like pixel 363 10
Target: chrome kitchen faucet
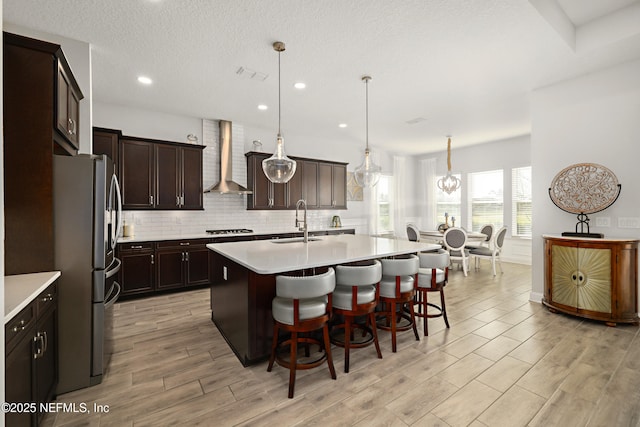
pixel 304 227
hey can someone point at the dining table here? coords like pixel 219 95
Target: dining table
pixel 473 237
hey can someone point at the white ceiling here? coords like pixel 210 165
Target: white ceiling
pixel 467 67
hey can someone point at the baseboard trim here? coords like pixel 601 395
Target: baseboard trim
pixel 536 297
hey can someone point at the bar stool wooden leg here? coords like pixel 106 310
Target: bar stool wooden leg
pixel 413 321
pixel 274 346
pixel 292 362
pixel 374 331
pixel 394 321
pixel 444 308
pixel 347 341
pixel 327 349
pixel 426 310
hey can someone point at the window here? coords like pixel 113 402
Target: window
pixel 521 201
pixel 384 195
pixel 486 199
pixel 448 203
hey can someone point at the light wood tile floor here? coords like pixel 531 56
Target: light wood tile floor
pixel 505 362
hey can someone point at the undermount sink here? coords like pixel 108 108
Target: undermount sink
pixel 294 240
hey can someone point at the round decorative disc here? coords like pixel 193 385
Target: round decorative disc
pixel 584 188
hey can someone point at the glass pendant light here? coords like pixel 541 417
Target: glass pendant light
pixel 368 173
pixel 279 168
pixel 449 183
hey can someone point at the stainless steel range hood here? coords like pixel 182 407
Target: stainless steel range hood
pixel 226 184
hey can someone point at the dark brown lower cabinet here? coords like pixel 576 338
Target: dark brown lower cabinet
pixel 182 263
pixel 137 274
pixel 198 267
pixel 20 378
pixel 31 363
pixel 149 267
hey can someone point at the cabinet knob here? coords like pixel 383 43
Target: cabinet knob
pixel 152 259
pixel 19 326
pixel 47 298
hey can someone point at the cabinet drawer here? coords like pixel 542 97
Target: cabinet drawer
pixel 135 247
pixel 47 300
pixel 18 327
pixel 184 244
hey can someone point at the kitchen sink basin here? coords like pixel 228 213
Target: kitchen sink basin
pixel 293 240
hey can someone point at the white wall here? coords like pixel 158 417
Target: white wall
pixel 78 56
pixel 145 123
pixel 590 119
pixel 503 154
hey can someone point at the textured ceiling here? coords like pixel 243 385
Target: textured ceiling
pixel 467 67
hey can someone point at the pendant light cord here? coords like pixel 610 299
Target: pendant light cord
pixel 279 103
pixel 367 110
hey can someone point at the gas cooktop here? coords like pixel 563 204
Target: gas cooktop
pixel 230 231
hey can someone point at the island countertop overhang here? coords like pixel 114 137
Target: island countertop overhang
pixel 279 256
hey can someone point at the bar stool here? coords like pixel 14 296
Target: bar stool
pixel 397 288
pixel 356 294
pixel 302 304
pixel 432 277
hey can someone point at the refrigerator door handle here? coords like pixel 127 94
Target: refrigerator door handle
pixel 118 229
pixel 112 271
pixel 111 298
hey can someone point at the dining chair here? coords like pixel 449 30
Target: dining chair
pixel 455 240
pixel 487 230
pixel 492 252
pixel 413 233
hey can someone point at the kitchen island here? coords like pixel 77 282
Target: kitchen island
pixel 243 282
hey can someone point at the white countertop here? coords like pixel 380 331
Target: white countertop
pixel 274 256
pixel 204 235
pixel 21 289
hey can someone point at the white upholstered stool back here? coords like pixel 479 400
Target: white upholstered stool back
pixel 309 290
pixel 364 275
pixel 405 268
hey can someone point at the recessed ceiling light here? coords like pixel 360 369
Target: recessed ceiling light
pixel 299 85
pixel 342 125
pixel 145 80
pixel 262 107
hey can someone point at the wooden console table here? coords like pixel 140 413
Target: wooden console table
pixel 592 278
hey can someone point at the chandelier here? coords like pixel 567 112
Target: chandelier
pixel 449 183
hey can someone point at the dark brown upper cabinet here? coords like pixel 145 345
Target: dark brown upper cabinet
pixel 68 105
pixel 105 141
pixel 266 194
pixel 332 186
pixel 31 72
pixel 322 184
pixel 137 174
pixel 160 175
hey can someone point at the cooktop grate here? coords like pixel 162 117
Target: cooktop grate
pixel 230 231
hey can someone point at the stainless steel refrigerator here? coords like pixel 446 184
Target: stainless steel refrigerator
pixel 87 224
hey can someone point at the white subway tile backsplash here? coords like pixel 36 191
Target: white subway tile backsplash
pixel 228 210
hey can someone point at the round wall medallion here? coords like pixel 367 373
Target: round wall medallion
pixel 584 188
